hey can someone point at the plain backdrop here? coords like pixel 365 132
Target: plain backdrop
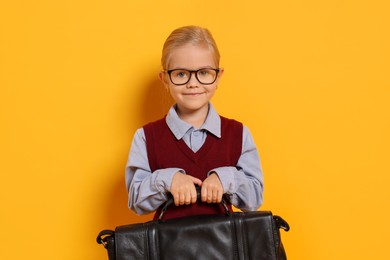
pixel 309 78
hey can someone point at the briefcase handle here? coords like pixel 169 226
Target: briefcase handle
pixel 198 195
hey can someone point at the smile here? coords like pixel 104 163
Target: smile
pixel 193 94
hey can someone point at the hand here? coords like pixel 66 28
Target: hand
pixel 183 188
pixel 212 189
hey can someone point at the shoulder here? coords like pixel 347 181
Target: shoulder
pixel 151 126
pixel 154 123
pixel 156 129
pixel 228 122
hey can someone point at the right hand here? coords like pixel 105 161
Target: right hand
pixel 183 188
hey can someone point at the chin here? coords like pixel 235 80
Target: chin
pixel 194 106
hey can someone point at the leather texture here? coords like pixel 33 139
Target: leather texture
pixel 237 236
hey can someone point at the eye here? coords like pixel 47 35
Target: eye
pixel 204 72
pixel 179 74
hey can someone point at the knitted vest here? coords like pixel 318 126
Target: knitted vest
pixel 165 151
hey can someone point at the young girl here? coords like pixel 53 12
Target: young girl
pixel 192 145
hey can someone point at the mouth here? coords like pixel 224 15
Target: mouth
pixel 193 94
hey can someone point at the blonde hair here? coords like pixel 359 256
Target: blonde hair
pixel 194 35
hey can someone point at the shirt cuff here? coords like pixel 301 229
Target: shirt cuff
pixel 164 178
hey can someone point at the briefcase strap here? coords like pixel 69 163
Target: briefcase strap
pixel 281 223
pixel 104 236
pixel 107 239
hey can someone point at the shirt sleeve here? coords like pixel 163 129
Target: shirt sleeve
pixel 244 184
pixel 146 190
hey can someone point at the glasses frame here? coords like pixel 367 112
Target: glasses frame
pixel 196 75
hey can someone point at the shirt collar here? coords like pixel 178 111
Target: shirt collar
pixel 179 127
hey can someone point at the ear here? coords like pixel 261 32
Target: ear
pixel 163 78
pixel 220 73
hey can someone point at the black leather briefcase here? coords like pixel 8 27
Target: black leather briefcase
pixel 235 235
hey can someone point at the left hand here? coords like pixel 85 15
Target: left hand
pixel 212 190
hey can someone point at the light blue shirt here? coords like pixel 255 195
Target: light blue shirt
pixel 147 190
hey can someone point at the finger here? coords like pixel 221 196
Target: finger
pixel 214 196
pixel 181 198
pixel 187 198
pixel 203 194
pixel 209 196
pixel 219 196
pixel 176 199
pixel 193 195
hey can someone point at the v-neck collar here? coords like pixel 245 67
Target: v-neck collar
pixel 202 152
pixel 179 127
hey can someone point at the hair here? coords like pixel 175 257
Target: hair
pixel 194 35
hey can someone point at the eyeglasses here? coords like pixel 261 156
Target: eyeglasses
pixel 205 76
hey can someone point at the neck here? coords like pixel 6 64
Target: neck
pixel 195 118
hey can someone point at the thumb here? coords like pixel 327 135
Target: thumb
pixel 196 181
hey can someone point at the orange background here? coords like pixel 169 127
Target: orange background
pixel 309 78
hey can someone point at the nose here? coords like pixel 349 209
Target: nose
pixel 193 82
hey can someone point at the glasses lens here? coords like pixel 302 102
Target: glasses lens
pixel 206 76
pixel 180 76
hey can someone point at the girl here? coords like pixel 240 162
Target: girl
pixel 192 145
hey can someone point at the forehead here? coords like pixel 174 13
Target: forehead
pixel 191 57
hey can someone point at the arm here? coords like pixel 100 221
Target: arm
pixel 244 183
pixel 147 190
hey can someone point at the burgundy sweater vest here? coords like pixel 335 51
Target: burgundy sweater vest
pixel 165 151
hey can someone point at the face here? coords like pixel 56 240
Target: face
pixel 192 96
